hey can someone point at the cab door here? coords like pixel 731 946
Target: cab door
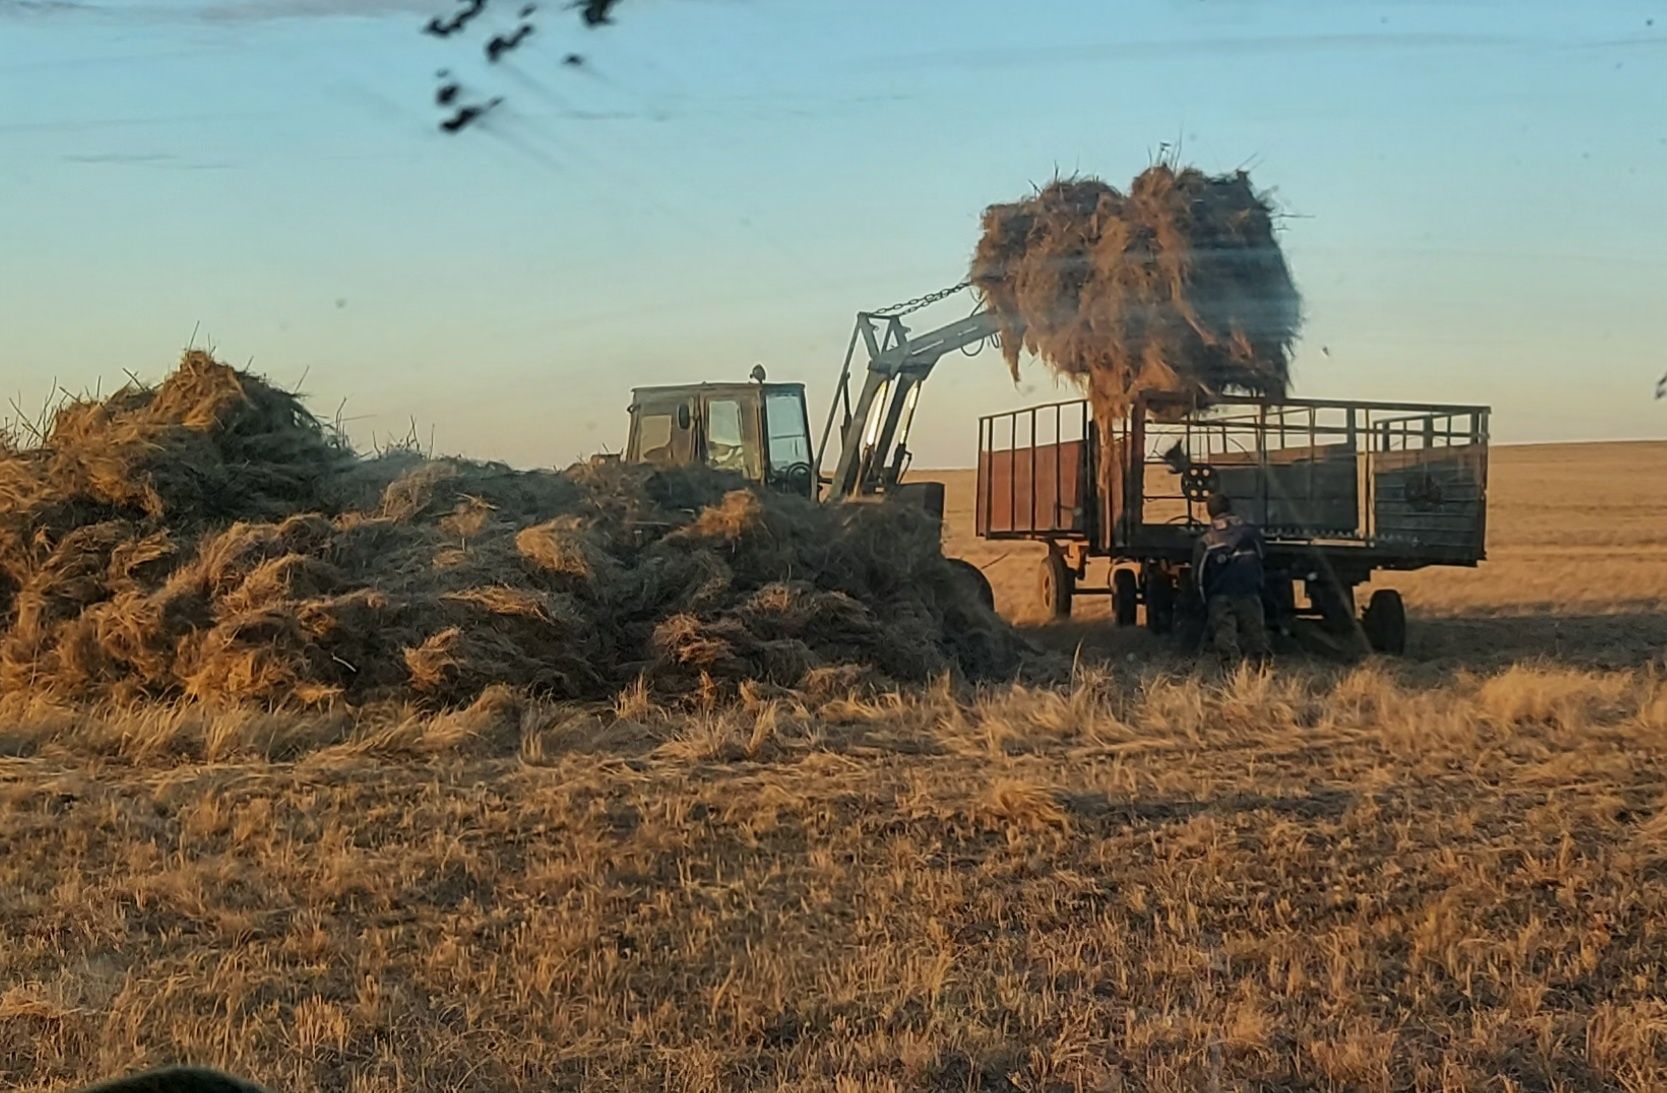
pixel 662 431
pixel 789 459
pixel 731 433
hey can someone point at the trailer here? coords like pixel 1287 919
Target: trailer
pixel 1340 489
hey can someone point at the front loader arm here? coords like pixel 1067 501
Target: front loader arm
pixel 875 427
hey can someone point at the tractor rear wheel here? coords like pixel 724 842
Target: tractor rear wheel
pixel 975 580
pixel 1056 584
pixel 1385 622
pixel 1125 597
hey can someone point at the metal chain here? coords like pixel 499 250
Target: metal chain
pixel 922 301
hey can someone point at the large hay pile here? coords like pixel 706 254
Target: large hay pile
pixel 208 539
pixel 1178 286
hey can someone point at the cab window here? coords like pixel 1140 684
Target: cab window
pixel 654 432
pixel 784 417
pixel 727 434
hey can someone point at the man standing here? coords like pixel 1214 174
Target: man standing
pixel 1227 566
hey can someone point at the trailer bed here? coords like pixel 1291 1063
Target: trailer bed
pixel 1339 487
pixel 1401 484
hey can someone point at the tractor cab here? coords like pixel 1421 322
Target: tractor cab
pixel 757 430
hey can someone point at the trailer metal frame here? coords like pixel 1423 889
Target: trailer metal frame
pixel 1340 488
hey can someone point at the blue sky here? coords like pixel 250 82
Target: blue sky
pixel 1476 191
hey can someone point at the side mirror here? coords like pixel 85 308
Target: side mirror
pixel 684 420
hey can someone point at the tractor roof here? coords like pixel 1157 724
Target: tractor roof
pixel 638 393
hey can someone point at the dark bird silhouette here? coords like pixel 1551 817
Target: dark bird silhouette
pixel 468 115
pixel 502 44
pixel 594 12
pixel 444 28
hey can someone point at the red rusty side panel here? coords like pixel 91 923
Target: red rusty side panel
pixel 1032 491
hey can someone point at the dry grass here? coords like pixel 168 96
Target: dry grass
pixel 1442 874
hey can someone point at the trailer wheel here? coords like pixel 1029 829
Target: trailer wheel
pixel 1160 600
pixel 1056 584
pixel 976 581
pixel 1125 597
pixel 1385 622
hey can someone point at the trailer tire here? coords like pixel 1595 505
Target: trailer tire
pixel 1125 597
pixel 1385 622
pixel 1160 600
pixel 976 580
pixel 1056 584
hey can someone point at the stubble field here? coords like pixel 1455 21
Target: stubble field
pixel 1445 872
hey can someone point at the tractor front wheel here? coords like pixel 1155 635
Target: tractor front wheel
pixel 975 580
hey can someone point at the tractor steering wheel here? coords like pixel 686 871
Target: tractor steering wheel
pixel 797 477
